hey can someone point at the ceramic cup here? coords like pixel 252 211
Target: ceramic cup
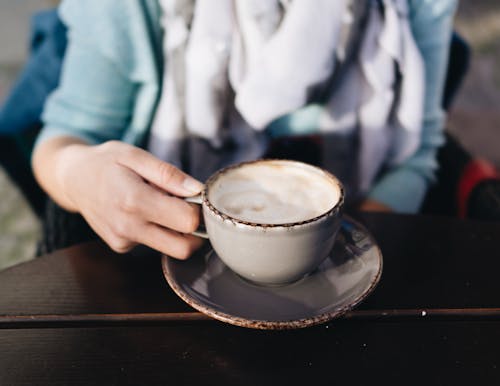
pixel 271 221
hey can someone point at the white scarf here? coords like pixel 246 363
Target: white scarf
pixel 271 54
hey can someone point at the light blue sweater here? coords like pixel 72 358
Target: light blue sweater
pixel 111 83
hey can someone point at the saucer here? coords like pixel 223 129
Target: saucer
pixel 342 281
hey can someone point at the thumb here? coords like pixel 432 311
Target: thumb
pixel 162 174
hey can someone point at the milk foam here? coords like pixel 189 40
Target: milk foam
pixel 274 192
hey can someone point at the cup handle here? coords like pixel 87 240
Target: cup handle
pixel 201 231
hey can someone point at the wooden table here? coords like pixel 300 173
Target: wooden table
pixel 88 316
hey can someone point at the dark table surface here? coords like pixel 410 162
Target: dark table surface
pixel 88 316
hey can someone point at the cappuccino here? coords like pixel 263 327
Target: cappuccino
pixel 274 192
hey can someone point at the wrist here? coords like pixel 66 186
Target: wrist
pixel 69 167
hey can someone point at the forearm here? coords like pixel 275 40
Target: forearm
pixel 52 163
pixel 403 187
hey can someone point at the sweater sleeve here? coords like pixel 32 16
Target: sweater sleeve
pixel 403 188
pixel 108 62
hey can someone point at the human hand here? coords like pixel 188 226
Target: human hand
pixel 123 193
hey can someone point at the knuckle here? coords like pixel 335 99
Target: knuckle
pixel 130 201
pixel 184 250
pixel 167 173
pixel 191 220
pixel 119 149
pixel 112 149
pixel 120 245
pixel 122 229
pixel 109 145
pixel 127 151
pixel 113 143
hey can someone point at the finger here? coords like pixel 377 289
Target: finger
pixel 170 243
pixel 117 243
pixel 153 205
pixel 162 174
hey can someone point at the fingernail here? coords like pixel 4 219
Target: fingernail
pixel 192 185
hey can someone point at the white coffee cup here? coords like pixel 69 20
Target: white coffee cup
pixel 272 221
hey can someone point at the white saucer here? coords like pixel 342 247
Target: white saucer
pixel 347 277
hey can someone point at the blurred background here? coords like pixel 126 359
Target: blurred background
pixel 474 118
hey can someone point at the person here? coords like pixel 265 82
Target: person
pixel 155 95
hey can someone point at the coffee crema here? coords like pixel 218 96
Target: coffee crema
pixel 274 192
